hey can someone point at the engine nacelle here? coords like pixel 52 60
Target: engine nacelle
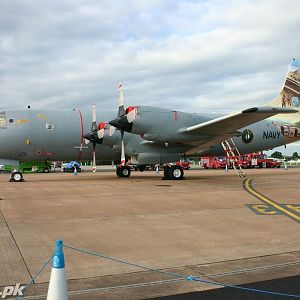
pixel 163 125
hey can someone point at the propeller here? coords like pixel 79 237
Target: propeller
pixel 95 136
pixel 123 121
pixel 125 117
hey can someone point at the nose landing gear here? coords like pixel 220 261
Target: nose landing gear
pixel 16 176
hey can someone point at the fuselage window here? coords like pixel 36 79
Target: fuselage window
pixel 49 126
pixel 11 120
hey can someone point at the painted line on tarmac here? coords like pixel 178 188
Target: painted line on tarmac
pixel 247 184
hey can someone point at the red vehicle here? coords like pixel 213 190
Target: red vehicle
pixel 260 160
pixel 251 160
pixel 185 164
pixel 213 162
pixel 244 161
pixel 272 163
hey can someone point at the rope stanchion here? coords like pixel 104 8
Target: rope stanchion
pixel 31 281
pixel 57 289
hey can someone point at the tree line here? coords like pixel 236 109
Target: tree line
pixel 277 154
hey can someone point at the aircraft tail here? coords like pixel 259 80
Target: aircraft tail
pixel 289 96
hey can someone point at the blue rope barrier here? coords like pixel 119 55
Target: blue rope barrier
pixel 31 281
pixel 124 262
pixel 190 278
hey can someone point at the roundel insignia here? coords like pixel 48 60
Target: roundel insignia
pixel 247 136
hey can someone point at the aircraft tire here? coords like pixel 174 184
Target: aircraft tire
pixel 142 168
pixel 16 177
pixel 175 173
pixel 123 171
pixel 166 172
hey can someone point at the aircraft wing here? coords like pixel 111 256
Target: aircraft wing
pixel 228 125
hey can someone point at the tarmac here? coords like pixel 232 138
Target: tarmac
pixel 210 225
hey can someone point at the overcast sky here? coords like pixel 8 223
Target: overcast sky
pixel 184 55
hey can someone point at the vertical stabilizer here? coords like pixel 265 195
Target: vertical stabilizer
pixel 289 96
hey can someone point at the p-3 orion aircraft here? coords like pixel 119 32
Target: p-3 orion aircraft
pixel 150 135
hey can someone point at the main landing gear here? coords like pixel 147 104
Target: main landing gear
pixel 173 172
pixel 170 172
pixel 123 171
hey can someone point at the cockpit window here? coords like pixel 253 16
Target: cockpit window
pixel 2 119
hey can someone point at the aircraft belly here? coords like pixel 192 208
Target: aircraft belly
pixel 157 158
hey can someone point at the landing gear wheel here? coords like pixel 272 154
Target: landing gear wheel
pixel 173 172
pixel 142 168
pixel 123 171
pixel 176 172
pixel 16 177
pixel 166 172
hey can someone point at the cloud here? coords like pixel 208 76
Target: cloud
pixel 187 55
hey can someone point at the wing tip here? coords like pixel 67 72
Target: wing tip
pixel 250 110
pixel 266 109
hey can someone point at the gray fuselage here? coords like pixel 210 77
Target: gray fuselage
pixel 30 135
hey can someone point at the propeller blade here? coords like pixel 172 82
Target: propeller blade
pixel 94 158
pixel 112 130
pixel 131 114
pixel 94 122
pixel 101 128
pixel 100 133
pixel 122 149
pixel 121 101
pixel 121 96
